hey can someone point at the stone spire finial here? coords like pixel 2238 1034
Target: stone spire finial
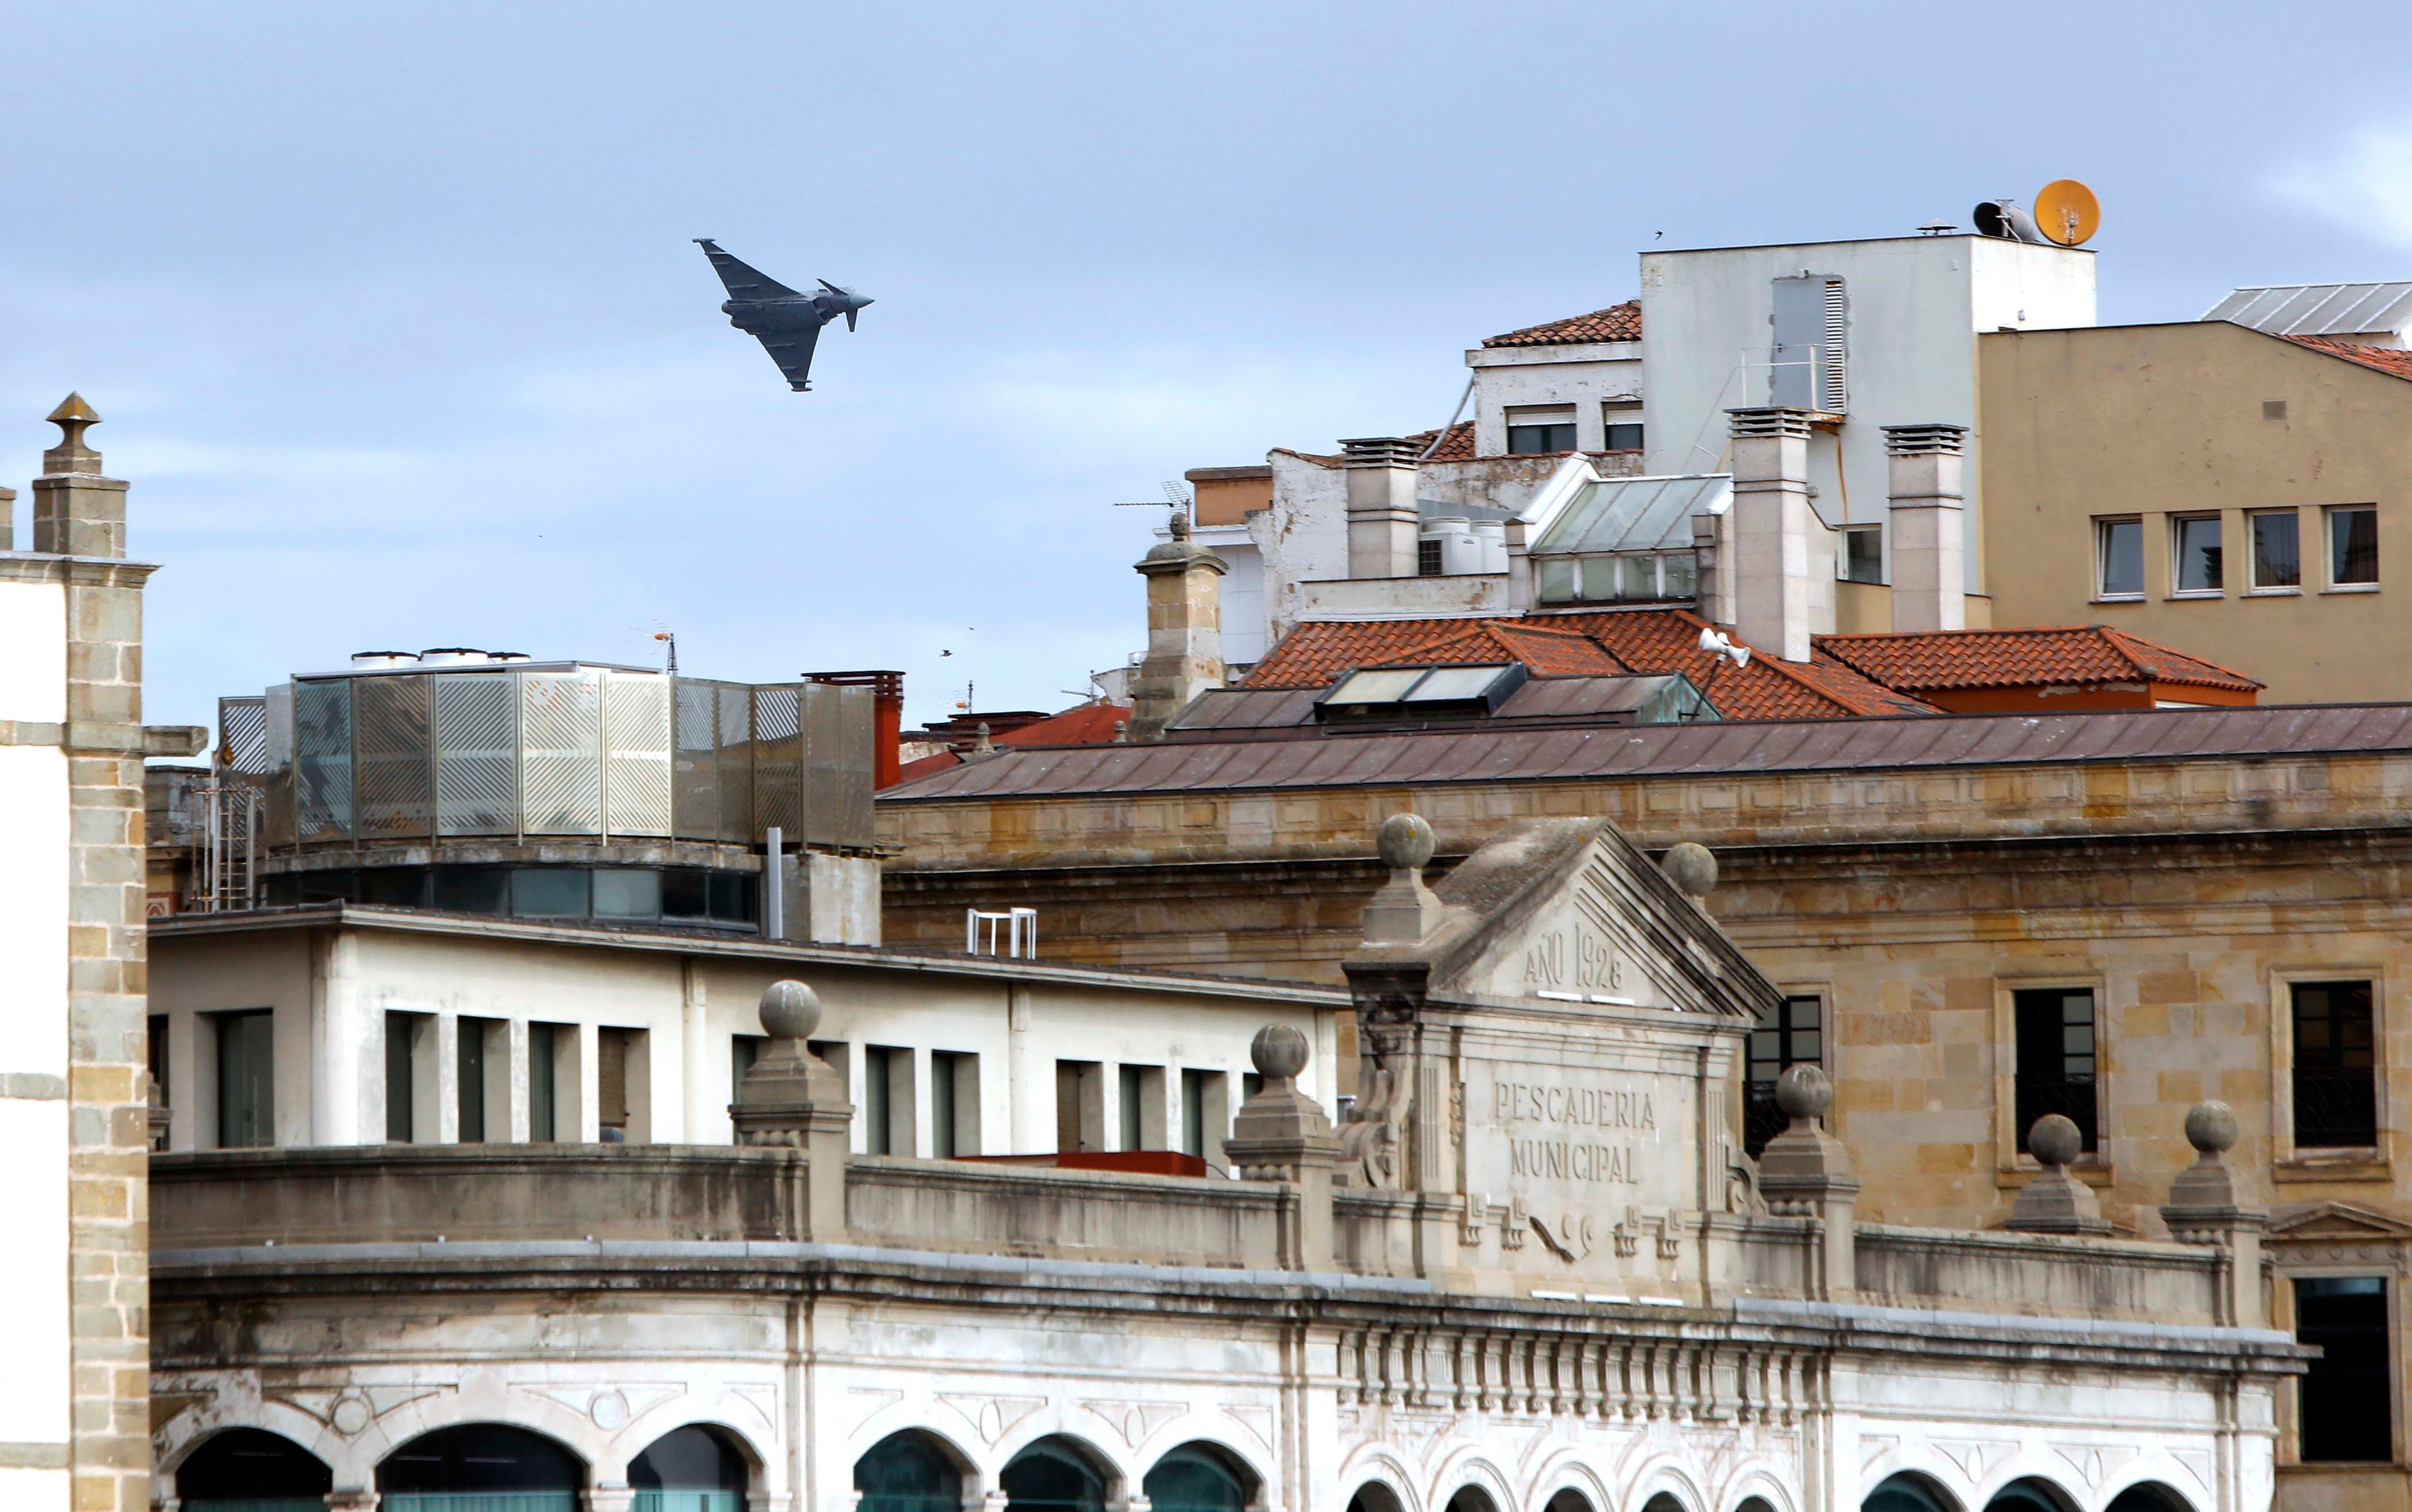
pixel 1405 910
pixel 1281 1135
pixel 1692 867
pixel 1804 1166
pixel 2207 1206
pixel 789 1092
pixel 2056 1202
pixel 71 455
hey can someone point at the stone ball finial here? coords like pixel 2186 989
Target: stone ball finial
pixel 1692 868
pixel 790 1010
pixel 1803 1092
pixel 1279 1052
pixel 2054 1140
pixel 2211 1128
pixel 1404 843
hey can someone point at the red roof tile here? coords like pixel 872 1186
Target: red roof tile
pixel 2385 358
pixel 1455 446
pixel 1931 662
pixel 1618 322
pixel 1088 724
pixel 923 766
pixel 1641 641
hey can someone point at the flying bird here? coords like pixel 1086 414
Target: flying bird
pixel 788 324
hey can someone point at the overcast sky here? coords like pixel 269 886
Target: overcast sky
pixel 397 329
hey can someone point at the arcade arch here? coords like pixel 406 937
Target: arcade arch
pixel 1196 1478
pixel 252 1470
pixel 1053 1475
pixel 691 1469
pixel 908 1471
pixel 433 1470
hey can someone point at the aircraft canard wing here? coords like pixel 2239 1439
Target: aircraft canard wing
pixel 743 282
pixel 793 351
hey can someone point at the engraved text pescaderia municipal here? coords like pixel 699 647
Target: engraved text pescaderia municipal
pixel 1574 1142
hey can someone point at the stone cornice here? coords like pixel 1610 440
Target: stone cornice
pixel 77 571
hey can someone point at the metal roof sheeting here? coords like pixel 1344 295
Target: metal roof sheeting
pixel 1634 514
pixel 2319 309
pixel 1675 751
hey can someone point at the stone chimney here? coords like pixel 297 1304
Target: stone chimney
pixel 1929 589
pixel 77 512
pixel 1771 526
pixel 1382 522
pixel 1184 630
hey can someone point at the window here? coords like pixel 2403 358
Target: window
pixel 545 1043
pixel 1204 1115
pixel 954 1104
pixel 2277 552
pixel 1080 1106
pixel 2348 1407
pixel 1140 1107
pixel 743 1050
pixel 155 1051
pixel 1623 437
pixel 627 893
pixel 246 1079
pixel 2055 1063
pixel 1624 577
pixel 879 1099
pixel 548 892
pixel 619 1080
pixel 399 1083
pixel 469 1063
pixel 2353 547
pixel 1428 563
pixel 2335 1078
pixel 2119 558
pixel 1863 553
pixel 1794 1035
pixel 1533 429
pixel 2195 553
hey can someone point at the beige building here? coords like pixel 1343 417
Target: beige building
pixel 2238 495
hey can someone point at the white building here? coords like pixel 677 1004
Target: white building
pixel 1531 1272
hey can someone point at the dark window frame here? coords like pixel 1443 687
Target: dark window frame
pixel 2345 1399
pixel 1428 559
pixel 2341 550
pixel 2333 1024
pixel 1797 1037
pixel 2069 1080
pixel 1553 437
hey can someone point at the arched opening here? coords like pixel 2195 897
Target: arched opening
pixel 1905 1493
pixel 250 1470
pixel 1196 1478
pixel 691 1469
pixel 1374 1496
pixel 1754 1503
pixel 1570 1500
pixel 510 1470
pixel 2028 1495
pixel 1052 1475
pixel 1472 1498
pixel 2148 1496
pixel 907 1472
pixel 1663 1502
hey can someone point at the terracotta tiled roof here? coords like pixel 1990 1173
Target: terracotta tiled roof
pixel 1545 650
pixel 1639 640
pixel 2385 358
pixel 1088 724
pixel 923 766
pixel 2059 654
pixel 1455 446
pixel 1618 322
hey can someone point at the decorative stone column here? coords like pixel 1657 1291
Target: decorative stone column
pixel 2207 1206
pixel 1281 1135
pixel 791 1099
pixel 1806 1172
pixel 608 1499
pixel 1184 630
pixel 2056 1202
pixel 352 1501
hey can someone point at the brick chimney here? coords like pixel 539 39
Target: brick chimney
pixel 1929 591
pixel 1184 630
pixel 1382 523
pixel 1771 528
pixel 77 512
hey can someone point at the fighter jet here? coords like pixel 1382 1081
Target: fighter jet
pixel 787 323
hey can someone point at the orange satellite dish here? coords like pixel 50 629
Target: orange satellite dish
pixel 2065 211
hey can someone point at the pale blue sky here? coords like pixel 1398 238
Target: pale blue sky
pixel 398 332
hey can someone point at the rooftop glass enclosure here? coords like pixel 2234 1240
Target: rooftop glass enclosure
pixel 1628 540
pixel 552 751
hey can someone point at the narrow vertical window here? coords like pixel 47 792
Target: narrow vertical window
pixel 2056 1065
pixel 1793 1034
pixel 2336 1094
pixel 2277 551
pixel 544 1044
pixel 2119 558
pixel 246 1079
pixel 1080 1106
pixel 942 1105
pixel 155 1049
pixel 2195 555
pixel 1133 1094
pixel 878 1136
pixel 469 1063
pixel 743 1050
pixel 400 1084
pixel 2353 547
pixel 1862 558
pixel 2346 1396
pixel 611 1046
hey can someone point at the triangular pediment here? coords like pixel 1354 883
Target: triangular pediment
pixel 1568 911
pixel 2336 1221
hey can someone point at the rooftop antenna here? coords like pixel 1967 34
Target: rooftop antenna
pixel 672 639
pixel 1175 497
pixel 2067 212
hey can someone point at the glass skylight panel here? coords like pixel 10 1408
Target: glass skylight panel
pixel 1387 686
pixel 1449 683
